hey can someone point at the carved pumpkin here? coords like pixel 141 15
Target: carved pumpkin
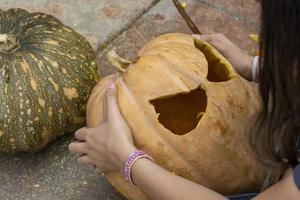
pixel 188 111
pixel 47 71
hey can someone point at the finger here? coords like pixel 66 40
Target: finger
pixel 84 160
pixel 99 170
pixel 78 148
pixel 206 38
pixel 80 134
pixel 113 111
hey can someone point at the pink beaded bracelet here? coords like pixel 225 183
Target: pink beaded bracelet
pixel 132 158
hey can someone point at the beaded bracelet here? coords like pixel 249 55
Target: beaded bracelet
pixel 132 158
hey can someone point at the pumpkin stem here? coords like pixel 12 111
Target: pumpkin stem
pixel 7 42
pixel 118 62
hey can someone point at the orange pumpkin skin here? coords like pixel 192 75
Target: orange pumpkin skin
pixel 200 133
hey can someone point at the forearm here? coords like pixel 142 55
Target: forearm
pixel 159 183
pixel 284 189
pixel 249 68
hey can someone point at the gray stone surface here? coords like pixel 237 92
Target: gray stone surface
pixel 98 20
pixel 52 174
pixel 126 26
pixel 211 16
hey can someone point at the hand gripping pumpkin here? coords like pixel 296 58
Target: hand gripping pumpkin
pixel 46 73
pixel 188 111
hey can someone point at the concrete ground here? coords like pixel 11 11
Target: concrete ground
pixel 125 26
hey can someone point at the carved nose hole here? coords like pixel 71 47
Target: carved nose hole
pixel 181 113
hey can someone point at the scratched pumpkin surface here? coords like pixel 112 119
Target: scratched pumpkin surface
pixel 189 110
pixel 46 73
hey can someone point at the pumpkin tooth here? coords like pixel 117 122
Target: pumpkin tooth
pixel 118 62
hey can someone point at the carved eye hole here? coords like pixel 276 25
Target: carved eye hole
pixel 182 112
pixel 218 70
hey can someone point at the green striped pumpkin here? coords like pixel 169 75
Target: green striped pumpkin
pixel 47 71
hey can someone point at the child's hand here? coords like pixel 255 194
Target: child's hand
pixel 106 147
pixel 239 60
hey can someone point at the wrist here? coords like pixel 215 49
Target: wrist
pixel 132 159
pixel 124 154
pixel 246 69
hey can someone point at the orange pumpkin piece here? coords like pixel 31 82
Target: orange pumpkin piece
pixel 187 110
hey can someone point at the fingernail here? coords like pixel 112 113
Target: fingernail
pixel 197 36
pixel 111 85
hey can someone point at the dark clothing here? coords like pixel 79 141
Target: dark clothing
pixel 247 196
pixel 296 174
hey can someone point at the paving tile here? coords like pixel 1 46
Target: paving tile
pixel 164 18
pixel 97 20
pixel 52 174
pixel 246 10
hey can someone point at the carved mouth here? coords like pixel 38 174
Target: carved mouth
pixel 182 112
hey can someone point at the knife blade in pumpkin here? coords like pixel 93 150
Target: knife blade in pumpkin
pixel 181 9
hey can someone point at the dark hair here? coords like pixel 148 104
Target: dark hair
pixel 278 124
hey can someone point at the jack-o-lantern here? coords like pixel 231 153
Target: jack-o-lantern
pixel 189 110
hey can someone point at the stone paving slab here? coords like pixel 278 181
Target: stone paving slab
pixel 97 20
pixel 53 174
pixel 211 16
pixel 243 10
